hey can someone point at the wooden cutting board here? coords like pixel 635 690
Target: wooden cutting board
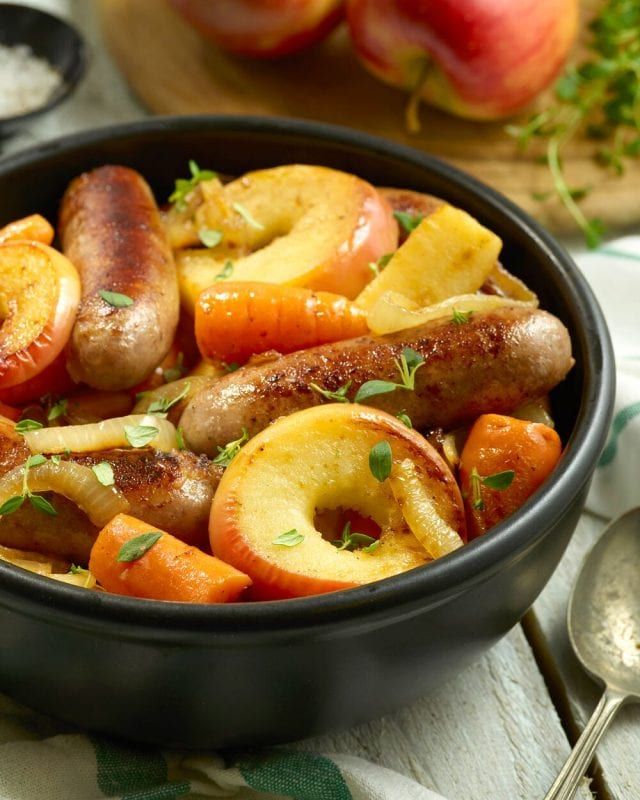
pixel 174 71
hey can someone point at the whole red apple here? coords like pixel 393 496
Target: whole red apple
pixel 479 59
pixel 262 28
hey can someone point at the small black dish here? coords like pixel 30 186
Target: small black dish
pixel 50 38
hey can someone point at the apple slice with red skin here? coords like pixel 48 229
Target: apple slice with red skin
pixel 479 59
pixel 39 296
pixel 313 460
pixel 262 28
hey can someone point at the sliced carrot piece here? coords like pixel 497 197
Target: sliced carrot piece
pixel 235 320
pixel 168 570
pixel 33 228
pixel 497 446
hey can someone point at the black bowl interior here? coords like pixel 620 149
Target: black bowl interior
pixel 160 149
pixel 50 38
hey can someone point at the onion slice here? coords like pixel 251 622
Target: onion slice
pixel 76 482
pixel 104 435
pixel 419 512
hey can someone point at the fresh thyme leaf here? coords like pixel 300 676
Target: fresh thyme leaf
pixel 476 490
pixel 409 222
pixel 11 505
pixel 140 435
pixel 373 388
pixel 232 367
pixel 184 186
pixel 461 317
pixel 42 504
pixel 58 410
pixel 405 419
pixel 28 425
pixel 104 473
pixel 380 460
pixel 164 404
pixel 209 238
pixel 377 266
pixel 226 271
pixel 353 541
pixel 180 439
pixel 339 396
pixel 176 372
pixel 247 216
pixel 135 548
pixel 371 548
pixel 115 299
pixel 227 454
pixel 74 569
pixel 35 461
pixel 600 98
pixel 499 480
pixel 55 459
pixel 289 538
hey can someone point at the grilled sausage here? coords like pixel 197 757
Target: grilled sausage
pixel 494 362
pixel 172 491
pixel 111 231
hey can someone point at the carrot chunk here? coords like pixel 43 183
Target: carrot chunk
pixel 168 570
pixel 503 462
pixel 235 320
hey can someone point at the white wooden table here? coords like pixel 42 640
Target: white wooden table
pixel 502 729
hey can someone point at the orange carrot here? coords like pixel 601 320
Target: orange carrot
pixel 9 412
pixel 236 320
pixel 168 570
pixel 33 228
pixel 503 462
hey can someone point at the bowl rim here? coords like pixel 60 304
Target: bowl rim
pixel 426 585
pixel 70 80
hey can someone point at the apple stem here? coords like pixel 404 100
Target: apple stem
pixel 412 111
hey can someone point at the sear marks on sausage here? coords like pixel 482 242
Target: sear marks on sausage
pixel 111 231
pixel 493 363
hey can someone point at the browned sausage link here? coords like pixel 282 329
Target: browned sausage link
pixel 111 231
pixel 172 491
pixel 494 362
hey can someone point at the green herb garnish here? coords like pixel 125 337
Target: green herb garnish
pixel 11 505
pixel 184 186
pixel 377 266
pixel 226 271
pixel 600 98
pixel 57 410
pixel 135 548
pixel 339 396
pixel 162 406
pixel 37 501
pixel 115 299
pixel 140 435
pixel 409 363
pixel 176 372
pixel 499 481
pixel 409 222
pixel 289 539
pixel 28 425
pixel 380 460
pixel 405 419
pixel 104 473
pixel 461 317
pixel 180 439
pixel 247 216
pixel 355 541
pixel 227 454
pixel 209 238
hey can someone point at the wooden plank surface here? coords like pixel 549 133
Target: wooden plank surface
pixel 491 734
pixel 173 70
pixel 619 752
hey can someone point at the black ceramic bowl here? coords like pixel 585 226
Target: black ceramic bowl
pixel 50 38
pixel 202 676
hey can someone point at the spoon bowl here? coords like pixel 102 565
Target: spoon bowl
pixel 604 610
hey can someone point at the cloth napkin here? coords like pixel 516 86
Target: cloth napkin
pixel 41 759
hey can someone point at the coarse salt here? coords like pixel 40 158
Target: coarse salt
pixel 26 81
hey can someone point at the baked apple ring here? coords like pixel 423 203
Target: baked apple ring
pixel 298 225
pixel 316 460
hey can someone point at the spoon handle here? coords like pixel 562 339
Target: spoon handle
pixel 567 782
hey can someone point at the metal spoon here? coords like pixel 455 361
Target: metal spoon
pixel 604 629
